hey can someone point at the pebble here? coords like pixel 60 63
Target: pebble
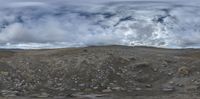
pixel 168 89
pixel 193 80
pixel 117 88
pixel 171 82
pixel 138 89
pixel 180 85
pixel 43 95
pixel 164 65
pixel 169 74
pixel 148 85
pixel 155 69
pixel 73 89
pixel 81 85
pixel 132 58
pixel 95 88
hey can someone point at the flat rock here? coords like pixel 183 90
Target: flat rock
pixel 168 88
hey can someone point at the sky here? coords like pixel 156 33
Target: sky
pixel 36 24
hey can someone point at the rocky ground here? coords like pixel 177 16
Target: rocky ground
pixel 106 72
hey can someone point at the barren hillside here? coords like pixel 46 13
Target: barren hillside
pixel 106 72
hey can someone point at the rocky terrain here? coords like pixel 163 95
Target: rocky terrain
pixel 103 72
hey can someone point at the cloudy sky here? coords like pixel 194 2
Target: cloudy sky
pixel 76 23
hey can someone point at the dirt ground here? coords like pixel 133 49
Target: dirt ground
pixel 101 72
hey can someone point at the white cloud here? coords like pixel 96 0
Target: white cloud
pixel 66 23
pixel 26 4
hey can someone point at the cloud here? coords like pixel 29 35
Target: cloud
pixel 71 23
pixel 25 4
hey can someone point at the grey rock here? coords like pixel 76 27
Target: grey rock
pixel 118 88
pixel 138 89
pixel 168 88
pixel 148 86
pixel 107 90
